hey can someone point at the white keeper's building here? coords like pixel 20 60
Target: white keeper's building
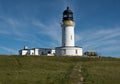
pixel 37 51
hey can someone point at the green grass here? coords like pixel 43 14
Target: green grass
pixel 102 72
pixel 58 70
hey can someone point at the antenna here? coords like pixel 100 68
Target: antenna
pixel 67 2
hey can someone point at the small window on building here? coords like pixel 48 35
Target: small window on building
pixel 49 52
pixel 64 51
pixel 42 53
pixel 64 44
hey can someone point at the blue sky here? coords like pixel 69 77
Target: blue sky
pixel 36 23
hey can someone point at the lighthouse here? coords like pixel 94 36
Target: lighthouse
pixel 68 28
pixel 68 47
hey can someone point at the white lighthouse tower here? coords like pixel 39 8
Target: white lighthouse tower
pixel 68 47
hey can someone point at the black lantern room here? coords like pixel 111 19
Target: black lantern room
pixel 67 14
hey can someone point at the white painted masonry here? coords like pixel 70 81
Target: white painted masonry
pixel 37 51
pixel 68 36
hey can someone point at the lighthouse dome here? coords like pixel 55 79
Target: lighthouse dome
pixel 67 14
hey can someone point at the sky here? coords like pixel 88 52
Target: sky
pixel 36 24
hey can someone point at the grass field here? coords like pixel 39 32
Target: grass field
pixel 58 70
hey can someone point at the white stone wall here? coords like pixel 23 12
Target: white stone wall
pixel 31 52
pixel 68 51
pixel 68 36
pixel 23 52
pixel 36 51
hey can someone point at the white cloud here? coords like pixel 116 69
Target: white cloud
pixel 11 21
pixel 106 40
pixel 16 28
pixel 9 50
pixel 39 24
pixel 77 37
pixel 4 32
pixel 12 25
pixel 52 30
pixel 21 30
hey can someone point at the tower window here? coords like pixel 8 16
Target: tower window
pixel 71 37
pixel 76 51
pixel 70 15
pixel 65 15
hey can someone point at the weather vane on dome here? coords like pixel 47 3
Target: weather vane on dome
pixel 67 2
